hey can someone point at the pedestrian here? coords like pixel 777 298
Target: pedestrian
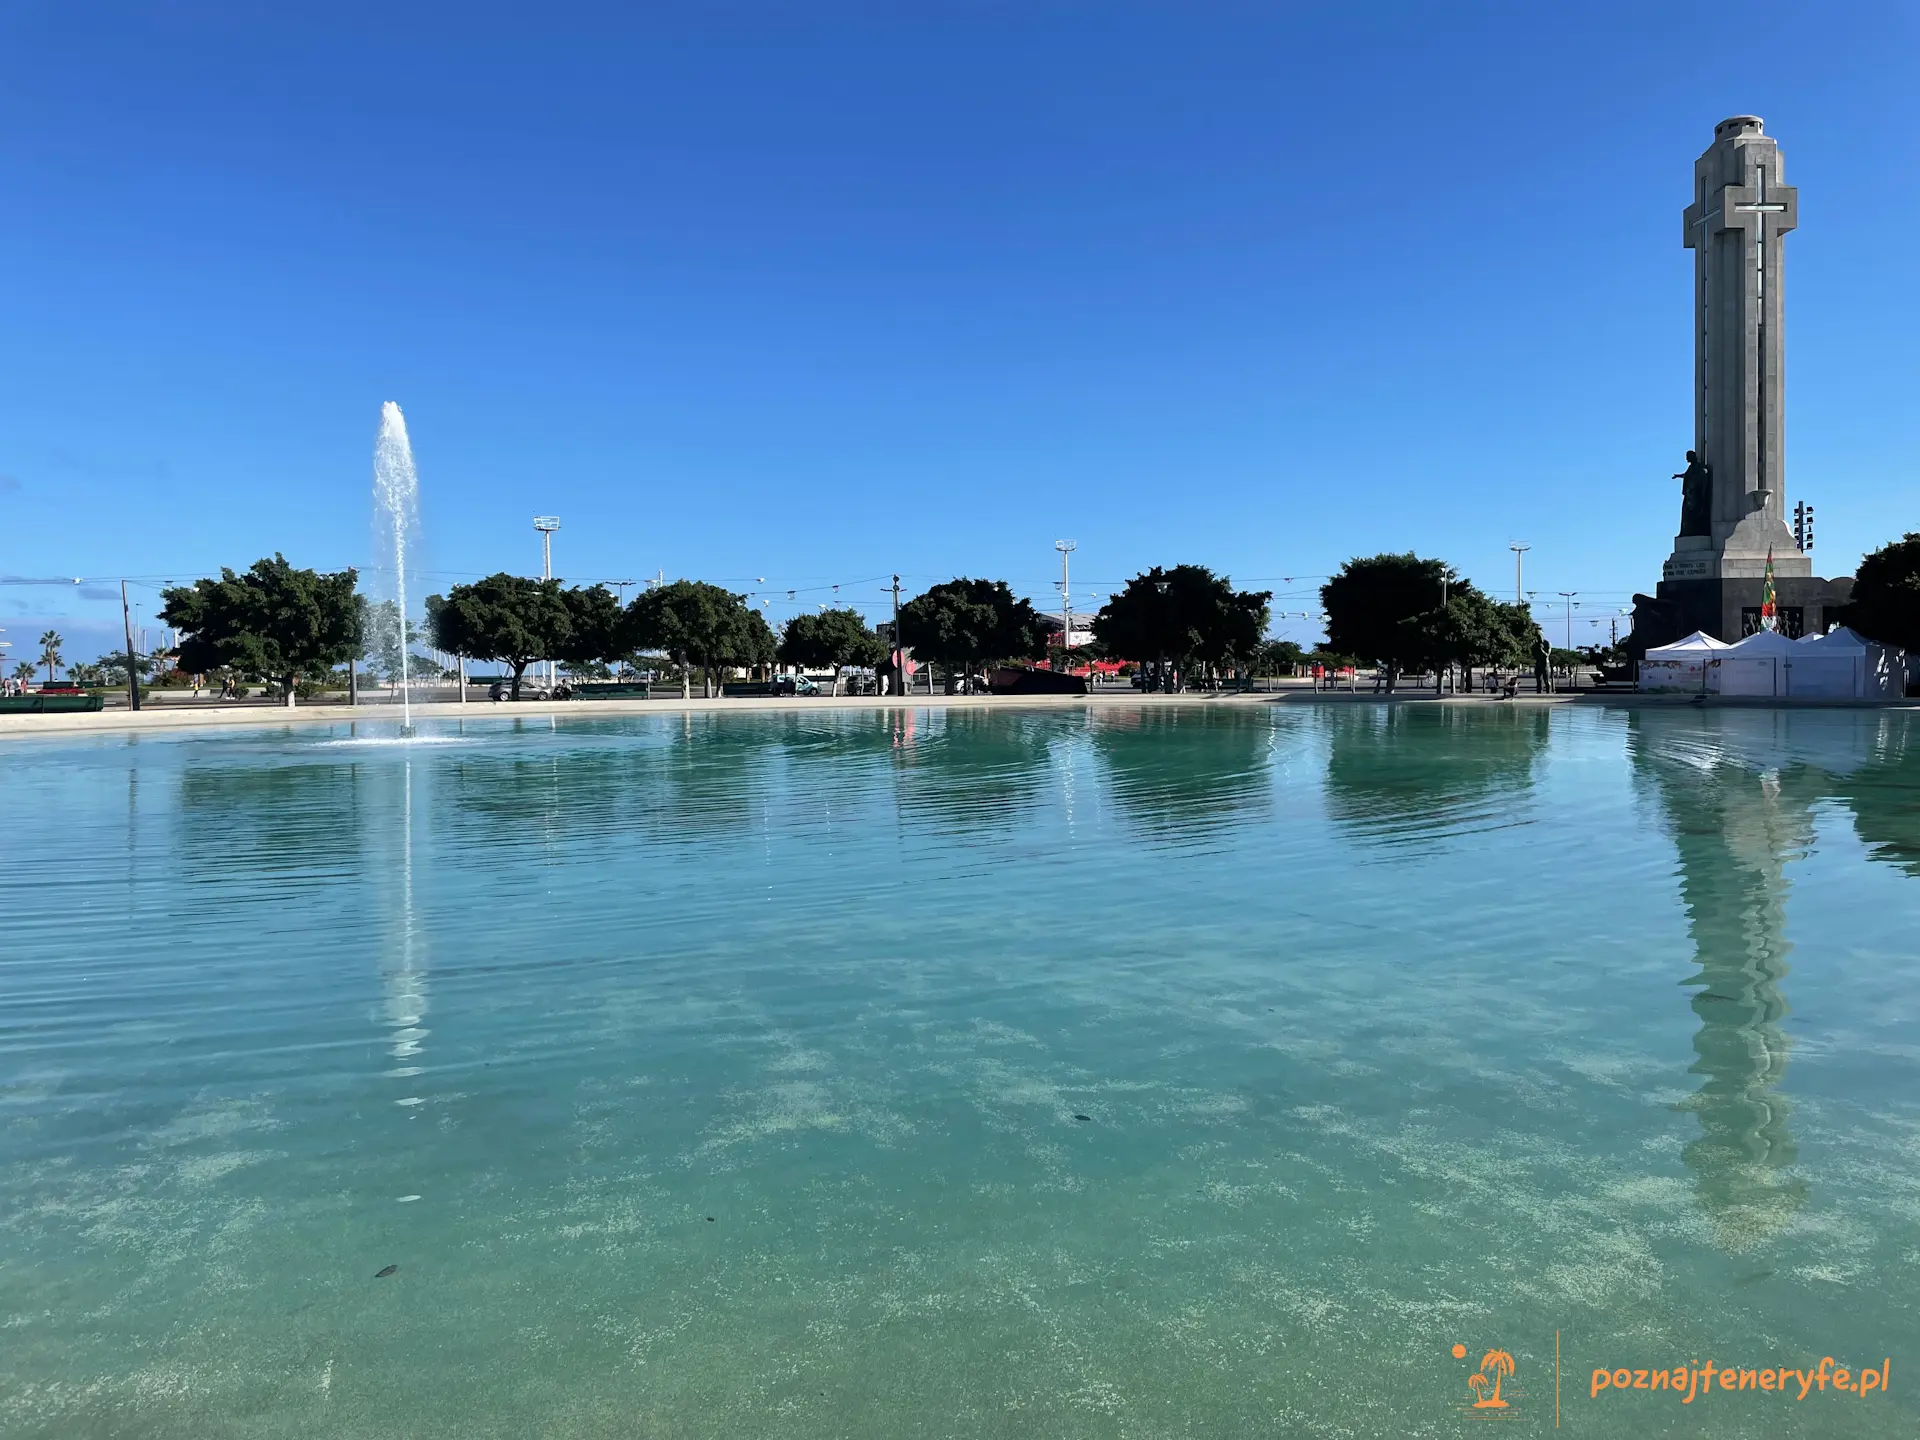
pixel 1543 665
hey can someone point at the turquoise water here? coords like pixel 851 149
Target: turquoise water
pixel 718 1075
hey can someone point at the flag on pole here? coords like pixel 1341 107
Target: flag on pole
pixel 1767 615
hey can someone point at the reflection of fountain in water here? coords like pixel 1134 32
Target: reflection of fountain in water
pixel 396 520
pixel 405 976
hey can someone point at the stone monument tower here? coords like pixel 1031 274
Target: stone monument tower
pixel 1734 493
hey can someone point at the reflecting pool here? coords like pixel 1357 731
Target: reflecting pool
pixel 1122 1072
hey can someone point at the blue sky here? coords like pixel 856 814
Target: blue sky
pixel 818 293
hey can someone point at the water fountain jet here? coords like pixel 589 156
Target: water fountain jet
pixel 396 520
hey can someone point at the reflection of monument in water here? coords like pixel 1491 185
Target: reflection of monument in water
pixel 1739 789
pixel 1735 830
pixel 1733 501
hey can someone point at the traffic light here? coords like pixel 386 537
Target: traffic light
pixel 1803 526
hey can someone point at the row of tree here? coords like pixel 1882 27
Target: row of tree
pixel 1402 612
pixel 286 624
pixel 515 622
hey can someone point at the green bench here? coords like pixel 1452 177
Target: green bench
pixel 50 704
pixel 612 690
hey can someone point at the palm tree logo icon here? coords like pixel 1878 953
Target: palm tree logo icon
pixel 1499 1364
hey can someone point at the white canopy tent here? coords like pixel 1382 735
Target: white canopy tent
pixel 1847 665
pixel 1681 665
pixel 1761 664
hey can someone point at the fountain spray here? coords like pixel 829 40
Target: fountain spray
pixel 396 510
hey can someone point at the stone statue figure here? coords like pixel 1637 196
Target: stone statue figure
pixel 1696 497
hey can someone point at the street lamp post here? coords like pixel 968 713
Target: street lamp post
pixel 1567 595
pixel 546 525
pixel 899 657
pixel 1518 551
pixel 1066 548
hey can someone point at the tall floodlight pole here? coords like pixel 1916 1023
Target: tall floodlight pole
pixel 1518 551
pixel 546 525
pixel 1567 595
pixel 1066 548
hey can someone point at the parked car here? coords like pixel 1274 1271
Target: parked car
pixel 503 690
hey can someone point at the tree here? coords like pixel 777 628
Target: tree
pixel 1886 595
pixel 50 656
pixel 962 624
pixel 380 643
pixel 1516 638
pixel 1432 640
pixel 694 623
pixel 503 617
pixel 25 670
pixel 596 628
pixel 753 643
pixel 832 638
pixel 1279 657
pixel 1370 600
pixel 1470 629
pixel 111 669
pixel 276 620
pixel 1181 618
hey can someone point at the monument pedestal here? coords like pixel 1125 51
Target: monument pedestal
pixel 1727 607
pixel 1717 583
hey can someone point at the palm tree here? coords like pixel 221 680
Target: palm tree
pixel 1502 1365
pixel 50 655
pixel 1476 1383
pixel 25 670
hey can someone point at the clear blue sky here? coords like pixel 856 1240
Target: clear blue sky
pixel 821 292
